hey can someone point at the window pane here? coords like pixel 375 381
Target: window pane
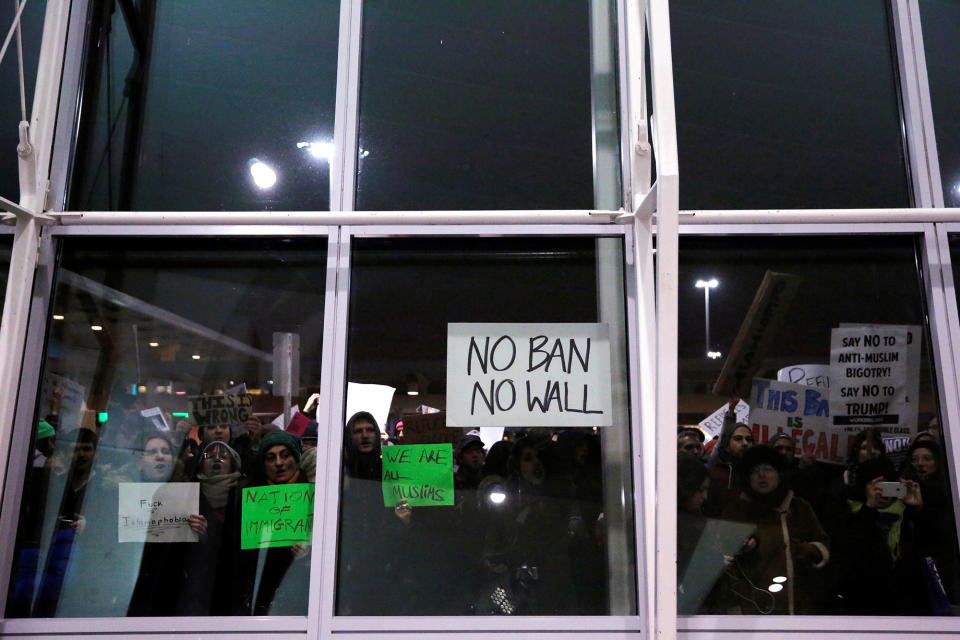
pixel 220 91
pixel 845 544
pixel 534 520
pixel 939 19
pixel 479 106
pixel 157 347
pixel 31 25
pixel 787 105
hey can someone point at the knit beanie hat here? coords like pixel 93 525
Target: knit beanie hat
pixel 782 436
pixel 233 453
pixel 756 456
pixel 285 438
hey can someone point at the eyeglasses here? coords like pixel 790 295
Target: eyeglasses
pixel 222 457
pixel 762 468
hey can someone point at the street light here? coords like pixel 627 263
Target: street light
pixel 706 285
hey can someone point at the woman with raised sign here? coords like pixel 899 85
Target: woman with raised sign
pixel 199 578
pixel 285 580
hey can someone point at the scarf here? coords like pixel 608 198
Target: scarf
pixel 295 479
pixel 216 488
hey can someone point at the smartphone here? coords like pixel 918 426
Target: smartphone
pixel 893 489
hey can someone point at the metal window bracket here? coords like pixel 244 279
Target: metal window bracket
pixel 28 181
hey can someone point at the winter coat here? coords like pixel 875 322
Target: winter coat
pixel 779 528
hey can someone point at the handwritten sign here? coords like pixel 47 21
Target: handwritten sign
pixel 759 328
pixel 276 516
pixel 869 371
pixel 532 375
pixel 712 425
pixel 221 409
pixel 801 412
pixel 157 511
pixel 421 474
pixel 811 375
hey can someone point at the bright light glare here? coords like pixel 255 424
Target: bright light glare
pixel 775 588
pixel 780 579
pixel 713 355
pixel 153 344
pixel 195 356
pixel 318 149
pixel 413 393
pixel 710 284
pixel 96 327
pixel 496 497
pixel 263 176
pixel 57 316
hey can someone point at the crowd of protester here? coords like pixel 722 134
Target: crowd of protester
pixel 524 534
pixel 875 536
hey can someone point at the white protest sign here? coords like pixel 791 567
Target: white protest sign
pixel 155 416
pixel 810 375
pixel 375 399
pixel 281 421
pixel 801 412
pixel 157 511
pixel 712 425
pixel 491 435
pixel 528 375
pixel 64 395
pixel 869 372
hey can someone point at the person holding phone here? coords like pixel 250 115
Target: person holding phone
pixel 878 562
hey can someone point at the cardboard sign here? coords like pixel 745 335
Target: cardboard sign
pixel 221 409
pixel 800 411
pixel 530 375
pixel 428 428
pixel 276 516
pixel 756 334
pixel 713 424
pixel 421 474
pixel 810 375
pixel 157 511
pixel 870 366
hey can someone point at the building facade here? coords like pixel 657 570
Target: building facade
pixel 570 226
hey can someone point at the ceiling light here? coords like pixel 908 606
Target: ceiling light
pixel 96 327
pixel 195 356
pixel 153 344
pixel 57 316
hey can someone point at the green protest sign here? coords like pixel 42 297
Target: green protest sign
pixel 421 474
pixel 276 516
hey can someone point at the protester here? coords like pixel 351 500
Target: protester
pixel 526 546
pixel 469 455
pixel 284 567
pixel 788 541
pixel 372 579
pixel 878 561
pixel 936 531
pixel 202 577
pixel 690 441
pixel 735 439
